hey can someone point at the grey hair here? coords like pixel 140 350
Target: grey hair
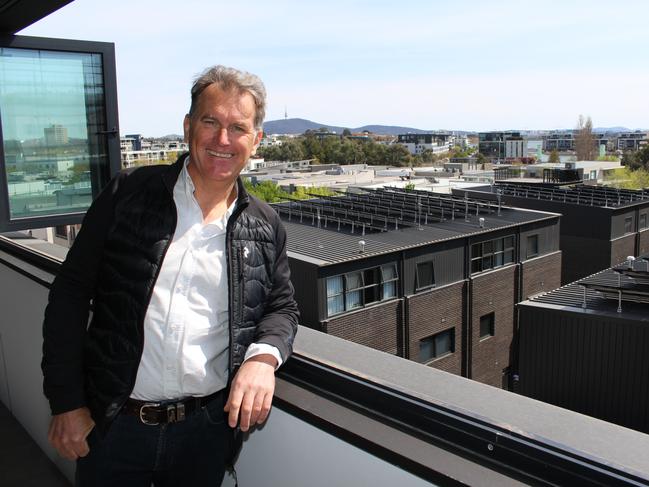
pixel 230 78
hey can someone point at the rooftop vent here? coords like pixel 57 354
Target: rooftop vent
pixel 361 246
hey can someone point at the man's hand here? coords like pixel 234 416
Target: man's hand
pixel 68 432
pixel 251 393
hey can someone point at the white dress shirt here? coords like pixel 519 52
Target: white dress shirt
pixel 186 326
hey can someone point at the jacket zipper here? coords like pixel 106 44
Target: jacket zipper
pixel 231 272
pixel 148 300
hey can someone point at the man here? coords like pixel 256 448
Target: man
pixel 193 308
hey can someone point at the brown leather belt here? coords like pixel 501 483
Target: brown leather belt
pixel 153 413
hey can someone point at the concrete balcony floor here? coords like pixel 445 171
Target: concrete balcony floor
pixel 22 462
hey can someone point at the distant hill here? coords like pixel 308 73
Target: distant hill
pixel 611 129
pixel 296 126
pixel 300 125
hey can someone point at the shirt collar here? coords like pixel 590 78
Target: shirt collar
pixel 188 189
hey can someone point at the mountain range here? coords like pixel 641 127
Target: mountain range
pixel 301 125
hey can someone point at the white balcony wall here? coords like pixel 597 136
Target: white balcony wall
pixel 286 451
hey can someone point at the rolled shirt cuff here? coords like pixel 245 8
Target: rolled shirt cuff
pixel 261 348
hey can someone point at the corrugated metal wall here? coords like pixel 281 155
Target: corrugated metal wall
pixel 304 278
pixel 596 365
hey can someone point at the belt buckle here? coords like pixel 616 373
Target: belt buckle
pixel 148 405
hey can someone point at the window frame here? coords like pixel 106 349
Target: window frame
pixel 528 250
pixel 371 282
pixel 340 294
pixel 491 323
pixel 432 340
pixel 418 285
pixel 385 281
pixel 101 175
pixel 499 253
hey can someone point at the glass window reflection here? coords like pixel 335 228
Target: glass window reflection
pixel 52 113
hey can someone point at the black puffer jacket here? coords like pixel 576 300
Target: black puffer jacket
pixel 115 262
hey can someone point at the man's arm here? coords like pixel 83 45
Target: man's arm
pixel 251 392
pixel 68 308
pixel 68 432
pixel 64 330
pixel 253 386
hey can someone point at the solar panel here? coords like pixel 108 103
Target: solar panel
pixel 579 194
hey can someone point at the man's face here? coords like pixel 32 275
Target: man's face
pixel 221 134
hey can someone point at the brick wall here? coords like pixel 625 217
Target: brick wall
pixel 434 311
pixel 621 248
pixel 493 292
pixel 540 275
pixel 375 326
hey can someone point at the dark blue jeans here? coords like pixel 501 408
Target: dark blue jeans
pixel 132 454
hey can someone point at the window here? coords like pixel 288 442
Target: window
pixel 61 231
pixel 487 325
pixel 425 275
pixel 643 220
pixel 57 110
pixel 389 280
pixel 335 297
pixel 628 224
pixel 359 288
pixel 354 290
pixel 532 246
pixel 492 254
pixel 437 346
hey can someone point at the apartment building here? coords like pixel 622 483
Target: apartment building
pixel 600 226
pixel 500 146
pixel 429 277
pixel 434 141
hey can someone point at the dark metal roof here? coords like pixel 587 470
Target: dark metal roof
pixel 623 290
pixel 329 230
pixel 580 194
pixel 15 15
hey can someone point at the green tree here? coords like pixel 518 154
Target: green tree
pixel 347 133
pixel 398 155
pixel 554 157
pixel 627 178
pixel 642 157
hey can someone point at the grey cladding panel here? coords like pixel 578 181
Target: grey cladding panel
pixel 448 265
pixel 548 238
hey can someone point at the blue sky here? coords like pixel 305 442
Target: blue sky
pixel 460 65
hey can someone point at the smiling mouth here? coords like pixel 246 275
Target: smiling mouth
pixel 223 155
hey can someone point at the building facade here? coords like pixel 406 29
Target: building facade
pixel 420 275
pixel 631 141
pixel 418 143
pixel 499 146
pixel 583 346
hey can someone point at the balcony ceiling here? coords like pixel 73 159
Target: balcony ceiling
pixel 15 15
